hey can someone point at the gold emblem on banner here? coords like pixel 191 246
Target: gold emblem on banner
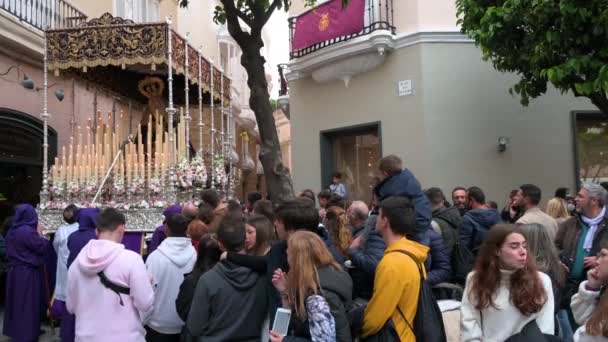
pixel 324 22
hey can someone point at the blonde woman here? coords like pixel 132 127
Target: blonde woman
pixel 336 224
pixel 556 208
pixel 315 289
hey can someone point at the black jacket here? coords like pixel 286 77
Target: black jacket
pixel 184 301
pixel 229 304
pixel 336 288
pixel 450 221
pixel 365 260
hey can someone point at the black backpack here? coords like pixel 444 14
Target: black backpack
pixel 428 322
pixel 463 260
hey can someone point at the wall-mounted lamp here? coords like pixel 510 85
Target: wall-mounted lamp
pixel 59 93
pixel 503 142
pixel 28 83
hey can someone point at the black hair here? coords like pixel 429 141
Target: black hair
pixel 532 192
pixel 337 175
pixel 602 184
pixel 400 213
pixel 324 194
pixel 493 205
pixel 205 213
pixel 211 197
pixel 298 213
pixel 253 197
pixel 234 206
pixel 177 225
pixel 435 196
pixel 264 208
pixel 457 189
pixel 209 253
pixel 109 220
pixel 307 193
pixel 231 234
pixel 336 201
pixel 69 214
pixel 563 192
pixel 477 194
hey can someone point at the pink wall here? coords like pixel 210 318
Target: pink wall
pixel 78 99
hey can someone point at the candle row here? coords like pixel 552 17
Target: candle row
pixel 88 160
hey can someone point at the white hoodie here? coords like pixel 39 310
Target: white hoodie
pixel 99 315
pixel 167 265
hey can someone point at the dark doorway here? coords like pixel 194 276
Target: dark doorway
pixel 21 137
pixel 353 151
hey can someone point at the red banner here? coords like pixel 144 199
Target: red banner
pixel 328 21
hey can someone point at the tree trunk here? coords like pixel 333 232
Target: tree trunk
pixel 278 180
pixel 600 101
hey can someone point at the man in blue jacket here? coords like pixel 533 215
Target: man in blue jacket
pixel 402 182
pixel 477 221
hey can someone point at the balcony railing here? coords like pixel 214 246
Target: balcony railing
pixel 44 14
pixel 378 16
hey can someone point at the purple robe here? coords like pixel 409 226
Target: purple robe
pixel 25 254
pixel 87 221
pixel 159 233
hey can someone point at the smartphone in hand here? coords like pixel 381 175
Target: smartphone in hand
pixel 281 321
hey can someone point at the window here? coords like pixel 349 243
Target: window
pixel 354 152
pixel 139 10
pixel 591 134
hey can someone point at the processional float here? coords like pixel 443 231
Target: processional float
pixel 106 163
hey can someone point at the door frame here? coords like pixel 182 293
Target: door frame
pixel 326 138
pixel 581 115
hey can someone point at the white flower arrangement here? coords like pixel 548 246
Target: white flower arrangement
pixel 183 175
pixel 73 188
pixel 198 171
pixel 220 179
pixel 57 192
pixel 136 187
pixel 156 187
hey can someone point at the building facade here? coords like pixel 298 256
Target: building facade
pixel 74 99
pixel 412 85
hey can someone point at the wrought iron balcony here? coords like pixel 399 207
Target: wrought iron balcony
pixel 378 15
pixel 43 14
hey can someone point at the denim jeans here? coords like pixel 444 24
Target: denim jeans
pixel 565 329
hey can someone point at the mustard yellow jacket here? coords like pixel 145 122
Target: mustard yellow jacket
pixel 397 282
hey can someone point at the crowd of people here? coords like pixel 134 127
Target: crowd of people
pixel 346 270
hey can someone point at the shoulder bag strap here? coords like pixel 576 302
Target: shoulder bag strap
pixel 421 280
pixel 118 289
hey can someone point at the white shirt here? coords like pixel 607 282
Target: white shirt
pixel 60 243
pixel 496 324
pixel 583 305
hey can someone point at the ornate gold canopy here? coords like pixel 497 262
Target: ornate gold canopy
pixel 113 41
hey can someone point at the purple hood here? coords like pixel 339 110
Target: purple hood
pixel 25 215
pixel 87 218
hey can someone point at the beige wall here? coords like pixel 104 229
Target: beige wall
pixel 447 131
pixel 198 20
pixel 94 8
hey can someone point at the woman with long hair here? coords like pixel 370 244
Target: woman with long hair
pixel 208 255
pixel 258 235
pixel 315 283
pixel 590 304
pixel 505 291
pixel 336 224
pixel 542 249
pixel 556 208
